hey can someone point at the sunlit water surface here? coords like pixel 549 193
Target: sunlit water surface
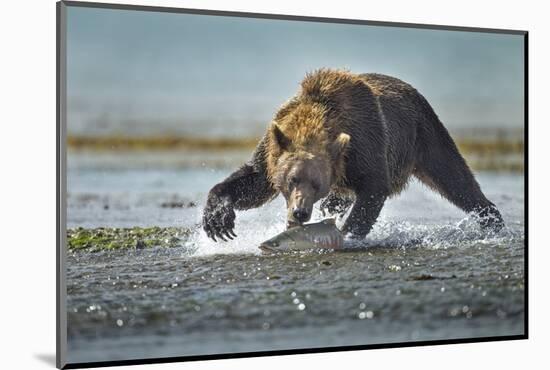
pixel 425 272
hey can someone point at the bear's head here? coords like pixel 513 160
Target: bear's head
pixel 304 171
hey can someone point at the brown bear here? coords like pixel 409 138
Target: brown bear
pixel 351 139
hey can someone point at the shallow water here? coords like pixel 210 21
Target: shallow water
pixel 425 272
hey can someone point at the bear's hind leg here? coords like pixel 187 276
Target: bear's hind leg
pixel 440 166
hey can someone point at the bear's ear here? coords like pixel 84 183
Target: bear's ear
pixel 339 146
pixel 279 138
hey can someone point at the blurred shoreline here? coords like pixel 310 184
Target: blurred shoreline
pixel 483 149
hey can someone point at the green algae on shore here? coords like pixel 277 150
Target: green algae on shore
pixel 103 238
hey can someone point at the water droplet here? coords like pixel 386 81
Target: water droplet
pixel 370 314
pixel 362 305
pixel 355 294
pixel 197 308
pixel 301 306
pixel 293 294
pixel 398 292
pixel 93 308
pixel 442 289
pixel 119 322
pixel 295 301
pixel 484 294
pixel 362 315
pixel 465 309
pixel 265 326
pixel 174 285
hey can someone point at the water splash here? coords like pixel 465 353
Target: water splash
pixel 466 232
pixel 252 228
pixel 391 230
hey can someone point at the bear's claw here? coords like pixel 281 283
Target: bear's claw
pixel 219 219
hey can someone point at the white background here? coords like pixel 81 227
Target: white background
pixel 27 123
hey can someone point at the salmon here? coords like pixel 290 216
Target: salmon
pixel 320 235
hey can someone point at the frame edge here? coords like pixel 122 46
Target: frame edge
pixel 61 91
pixel 288 17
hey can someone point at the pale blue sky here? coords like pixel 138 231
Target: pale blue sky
pixel 134 71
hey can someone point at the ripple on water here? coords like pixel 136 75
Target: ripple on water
pixel 433 276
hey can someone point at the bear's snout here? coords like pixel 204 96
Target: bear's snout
pixel 300 214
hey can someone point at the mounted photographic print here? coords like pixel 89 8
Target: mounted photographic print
pixel 235 184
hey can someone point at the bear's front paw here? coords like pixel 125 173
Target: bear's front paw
pixel 218 218
pixel 357 230
pixel 335 205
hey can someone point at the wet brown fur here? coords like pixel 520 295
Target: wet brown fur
pixel 369 133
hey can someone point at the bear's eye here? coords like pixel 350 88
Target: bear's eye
pixel 293 181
